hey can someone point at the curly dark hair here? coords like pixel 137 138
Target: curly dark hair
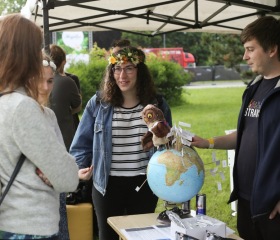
pixel 146 90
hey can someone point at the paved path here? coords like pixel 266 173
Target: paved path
pixel 215 84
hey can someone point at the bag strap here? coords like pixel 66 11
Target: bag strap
pixel 14 174
pixel 3 93
pixel 16 170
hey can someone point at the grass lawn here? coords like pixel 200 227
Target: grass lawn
pixel 210 112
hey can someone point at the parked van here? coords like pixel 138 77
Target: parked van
pixel 185 59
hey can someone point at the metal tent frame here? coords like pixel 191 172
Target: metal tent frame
pixel 150 17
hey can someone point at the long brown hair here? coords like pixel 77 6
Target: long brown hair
pixel 20 54
pixel 146 91
pixel 58 55
pixel 45 102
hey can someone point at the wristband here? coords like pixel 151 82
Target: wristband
pixel 211 143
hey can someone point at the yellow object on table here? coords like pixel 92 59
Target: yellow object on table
pixel 80 221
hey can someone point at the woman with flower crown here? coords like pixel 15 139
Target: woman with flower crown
pixel 107 143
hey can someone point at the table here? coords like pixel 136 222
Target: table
pixel 136 221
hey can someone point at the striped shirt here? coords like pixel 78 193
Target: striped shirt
pixel 128 157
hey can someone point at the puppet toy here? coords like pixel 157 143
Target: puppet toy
pixel 158 127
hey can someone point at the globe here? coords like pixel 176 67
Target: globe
pixel 173 177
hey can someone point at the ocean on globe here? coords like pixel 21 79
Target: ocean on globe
pixel 173 177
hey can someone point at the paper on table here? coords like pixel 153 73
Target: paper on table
pixel 155 232
pixel 152 233
pixel 229 231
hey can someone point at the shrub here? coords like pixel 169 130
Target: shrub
pixel 169 77
pixel 90 74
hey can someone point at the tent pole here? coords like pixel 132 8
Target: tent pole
pixel 46 27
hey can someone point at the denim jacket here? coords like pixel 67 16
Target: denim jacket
pixel 92 143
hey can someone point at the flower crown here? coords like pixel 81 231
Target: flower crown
pixel 124 56
pixel 47 63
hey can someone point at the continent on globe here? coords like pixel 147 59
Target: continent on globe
pixel 173 177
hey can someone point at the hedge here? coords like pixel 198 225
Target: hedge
pixel 169 76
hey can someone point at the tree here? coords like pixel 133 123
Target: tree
pixel 104 39
pixel 225 49
pixel 143 41
pixel 11 6
pixel 191 42
pixel 207 48
pixel 169 77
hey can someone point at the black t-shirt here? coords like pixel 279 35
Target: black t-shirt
pixel 247 155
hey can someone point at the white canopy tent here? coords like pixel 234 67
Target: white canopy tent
pixel 148 17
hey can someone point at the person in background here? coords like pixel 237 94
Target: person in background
pixel 76 114
pixel 107 142
pixel 31 207
pixel 119 44
pixel 65 99
pixel 44 90
pixel 256 142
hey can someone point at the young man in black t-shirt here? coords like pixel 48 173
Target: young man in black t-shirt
pixel 257 139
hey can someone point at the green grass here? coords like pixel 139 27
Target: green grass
pixel 210 112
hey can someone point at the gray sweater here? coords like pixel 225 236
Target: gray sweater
pixel 31 207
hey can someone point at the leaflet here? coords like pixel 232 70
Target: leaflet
pixel 155 232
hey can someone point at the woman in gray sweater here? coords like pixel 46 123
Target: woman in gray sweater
pixel 31 207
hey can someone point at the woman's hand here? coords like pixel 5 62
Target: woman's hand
pixel 43 177
pixel 85 173
pixel 275 211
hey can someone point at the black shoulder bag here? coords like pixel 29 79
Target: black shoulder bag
pixel 14 174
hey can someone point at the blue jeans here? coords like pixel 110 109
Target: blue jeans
pixel 9 235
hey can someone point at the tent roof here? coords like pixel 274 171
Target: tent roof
pixel 147 17
pixel 153 16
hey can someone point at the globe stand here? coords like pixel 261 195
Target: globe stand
pixel 186 209
pixel 182 213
